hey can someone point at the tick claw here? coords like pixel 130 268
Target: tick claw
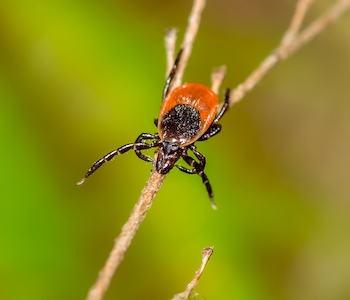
pixel 81 181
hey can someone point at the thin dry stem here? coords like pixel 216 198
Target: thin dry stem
pixel 128 232
pixel 170 42
pixel 217 77
pixel 190 35
pixel 290 45
pixel 155 181
pixel 297 20
pixel 318 26
pixel 206 254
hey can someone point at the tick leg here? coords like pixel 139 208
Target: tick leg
pixel 198 169
pixel 106 158
pixel 140 140
pixel 192 162
pixel 214 129
pixel 110 155
pixel 156 122
pixel 171 75
pixel 186 170
pixel 199 156
pixel 209 189
pixel 224 107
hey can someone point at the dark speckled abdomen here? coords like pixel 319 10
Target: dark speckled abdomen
pixel 181 123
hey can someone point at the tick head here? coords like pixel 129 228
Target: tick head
pixel 168 155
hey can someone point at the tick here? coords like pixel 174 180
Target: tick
pixel 188 114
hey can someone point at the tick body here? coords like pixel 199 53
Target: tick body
pixel 188 114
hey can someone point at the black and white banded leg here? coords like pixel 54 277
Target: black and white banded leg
pixel 141 139
pixel 110 155
pixel 199 170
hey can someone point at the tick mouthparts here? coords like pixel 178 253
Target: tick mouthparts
pixel 81 181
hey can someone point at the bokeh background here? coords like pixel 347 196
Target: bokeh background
pixel 80 78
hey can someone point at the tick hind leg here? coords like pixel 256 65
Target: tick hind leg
pixel 224 107
pixel 215 128
pixel 171 75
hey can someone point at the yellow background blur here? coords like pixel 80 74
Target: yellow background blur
pixel 81 78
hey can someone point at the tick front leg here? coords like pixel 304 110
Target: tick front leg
pixel 186 170
pixel 140 141
pixel 192 162
pixel 214 129
pixel 104 159
pixel 199 156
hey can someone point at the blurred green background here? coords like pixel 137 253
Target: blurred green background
pixel 81 78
